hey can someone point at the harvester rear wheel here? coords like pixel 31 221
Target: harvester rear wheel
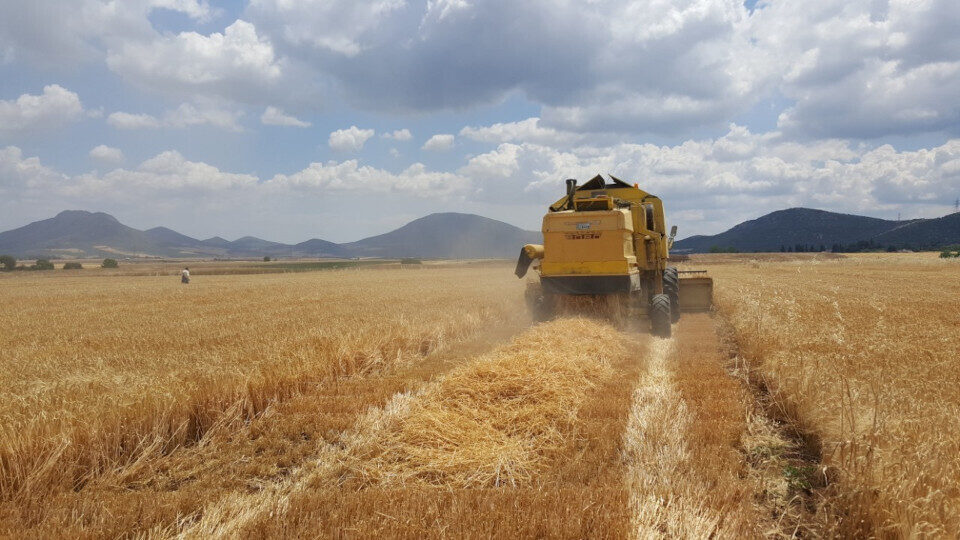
pixel 541 305
pixel 671 287
pixel 660 315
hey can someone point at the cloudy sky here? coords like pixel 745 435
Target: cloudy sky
pixel 339 119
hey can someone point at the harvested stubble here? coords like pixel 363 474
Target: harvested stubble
pixel 104 373
pixel 524 441
pixel 686 474
pixel 861 353
pixel 498 421
pixel 157 492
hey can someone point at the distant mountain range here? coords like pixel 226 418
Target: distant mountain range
pixel 808 227
pixel 79 234
pixel 76 233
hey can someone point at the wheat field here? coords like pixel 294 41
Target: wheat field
pixel 863 355
pixel 102 375
pixel 820 399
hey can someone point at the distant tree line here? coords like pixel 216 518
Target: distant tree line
pixel 803 248
pixel 8 263
pixel 950 252
pixel 862 246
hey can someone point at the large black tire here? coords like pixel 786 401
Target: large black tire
pixel 541 305
pixel 671 287
pixel 660 315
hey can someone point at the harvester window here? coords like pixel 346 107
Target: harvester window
pixel 648 216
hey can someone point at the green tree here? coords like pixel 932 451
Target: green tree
pixel 266 258
pixel 9 262
pixel 43 264
pixel 72 266
pixel 109 263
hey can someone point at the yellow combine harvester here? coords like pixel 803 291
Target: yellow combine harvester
pixel 611 239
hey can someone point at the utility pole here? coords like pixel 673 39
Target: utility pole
pixel 956 205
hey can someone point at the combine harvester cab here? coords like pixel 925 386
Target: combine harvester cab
pixel 610 240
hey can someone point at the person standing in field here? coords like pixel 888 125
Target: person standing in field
pixel 185 275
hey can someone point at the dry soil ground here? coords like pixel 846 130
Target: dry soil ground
pixel 821 399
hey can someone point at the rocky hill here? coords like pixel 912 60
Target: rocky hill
pixel 447 236
pixel 77 233
pixel 816 228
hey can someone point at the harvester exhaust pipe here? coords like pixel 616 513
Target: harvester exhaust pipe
pixel 571 188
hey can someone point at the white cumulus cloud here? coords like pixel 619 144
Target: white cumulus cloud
pixel 439 142
pixel 19 175
pixel 712 184
pixel 187 115
pixel 106 155
pixel 574 59
pixel 398 135
pixel 184 116
pixel 123 120
pixel 707 184
pixel 852 69
pixel 351 176
pixel 530 131
pixel 864 69
pixel 55 107
pixel 325 26
pixel 238 63
pixel 274 116
pixel 167 172
pixel 351 139
pixel 834 69
pixel 195 9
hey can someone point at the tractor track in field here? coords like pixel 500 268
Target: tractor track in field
pixel 784 459
pixel 682 443
pixel 710 454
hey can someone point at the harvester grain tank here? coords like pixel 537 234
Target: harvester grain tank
pixel 611 239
